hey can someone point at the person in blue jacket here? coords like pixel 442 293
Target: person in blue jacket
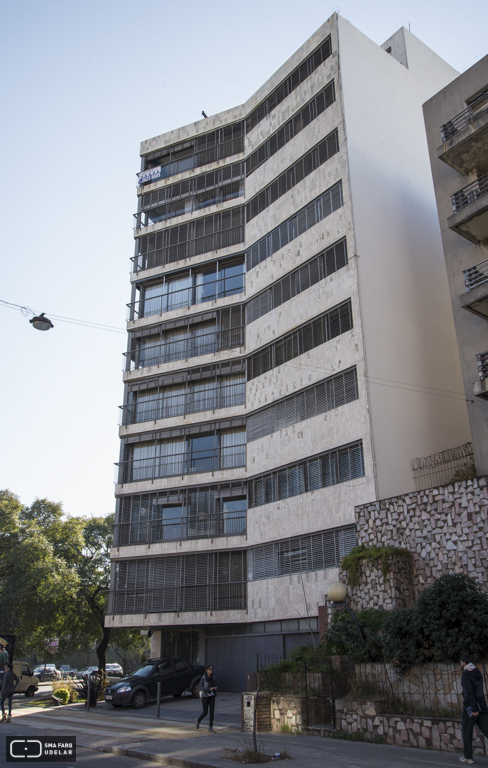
pixel 475 711
pixel 9 684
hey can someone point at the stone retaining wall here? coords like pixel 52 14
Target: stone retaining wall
pixel 445 528
pixel 402 730
pixel 395 590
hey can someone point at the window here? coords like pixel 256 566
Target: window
pixel 303 168
pixel 337 466
pixel 234 515
pixel 286 132
pixel 299 223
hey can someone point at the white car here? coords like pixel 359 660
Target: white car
pixel 88 671
pixel 114 670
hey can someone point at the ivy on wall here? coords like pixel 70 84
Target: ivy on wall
pixel 351 563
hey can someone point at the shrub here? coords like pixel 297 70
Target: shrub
pixel 342 636
pixel 62 694
pixel 351 562
pixel 64 685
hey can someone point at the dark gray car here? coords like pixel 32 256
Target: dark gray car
pixel 175 673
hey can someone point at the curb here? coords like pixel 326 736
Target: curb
pixel 178 762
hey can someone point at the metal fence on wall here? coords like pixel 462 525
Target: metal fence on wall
pixel 428 690
pixel 441 468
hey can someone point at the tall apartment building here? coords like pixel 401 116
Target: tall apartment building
pixel 291 346
pixel 456 121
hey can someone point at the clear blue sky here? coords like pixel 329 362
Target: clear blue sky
pixel 82 85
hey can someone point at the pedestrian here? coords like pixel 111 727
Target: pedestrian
pixel 9 684
pixel 3 654
pixel 475 711
pixel 208 691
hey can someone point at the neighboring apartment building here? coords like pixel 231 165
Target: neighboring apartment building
pixel 290 347
pixel 456 121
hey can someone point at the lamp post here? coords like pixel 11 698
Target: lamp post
pixel 337 594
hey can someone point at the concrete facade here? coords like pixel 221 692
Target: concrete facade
pixel 459 157
pixel 267 576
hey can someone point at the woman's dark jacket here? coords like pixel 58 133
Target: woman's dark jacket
pixel 10 682
pixel 472 682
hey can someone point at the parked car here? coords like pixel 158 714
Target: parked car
pixel 114 670
pixel 67 671
pixel 175 674
pixel 47 672
pixel 87 671
pixel 28 681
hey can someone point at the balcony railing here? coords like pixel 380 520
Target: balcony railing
pixel 183 349
pixel 477 108
pixel 190 248
pixel 169 599
pixel 180 529
pixel 210 155
pixel 187 463
pixel 186 297
pixel 189 204
pixel 194 401
pixel 470 193
pixel 476 275
pixel 483 365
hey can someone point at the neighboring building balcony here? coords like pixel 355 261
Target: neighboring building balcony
pixel 481 386
pixel 470 206
pixel 465 138
pixel 476 297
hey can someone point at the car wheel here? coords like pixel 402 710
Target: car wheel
pixel 176 695
pixel 195 692
pixel 30 691
pixel 138 700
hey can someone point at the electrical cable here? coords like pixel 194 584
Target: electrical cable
pixel 26 311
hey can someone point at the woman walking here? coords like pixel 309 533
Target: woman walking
pixel 208 691
pixel 9 684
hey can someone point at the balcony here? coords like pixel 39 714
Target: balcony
pixel 465 138
pixel 180 529
pixel 180 464
pixel 195 292
pixel 481 386
pixel 170 406
pixel 184 348
pixel 470 206
pixel 476 297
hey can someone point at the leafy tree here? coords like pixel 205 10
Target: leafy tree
pixel 54 577
pixel 342 636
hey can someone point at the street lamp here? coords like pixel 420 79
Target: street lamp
pixel 337 594
pixel 41 323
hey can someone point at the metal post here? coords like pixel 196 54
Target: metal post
pixel 306 691
pixel 88 692
pixel 332 697
pixel 254 718
pixel 159 700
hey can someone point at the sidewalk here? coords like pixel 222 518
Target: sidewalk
pixel 178 743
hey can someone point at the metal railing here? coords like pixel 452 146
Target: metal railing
pixel 170 599
pixel 188 204
pixel 476 275
pixel 190 248
pixel 186 297
pixel 440 468
pixel 483 365
pixel 477 108
pixel 181 528
pixel 470 193
pixel 205 156
pixel 187 463
pixel 182 349
pixel 169 406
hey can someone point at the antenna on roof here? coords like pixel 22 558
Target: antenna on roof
pixel 203 113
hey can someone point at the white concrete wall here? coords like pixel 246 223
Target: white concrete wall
pixel 411 354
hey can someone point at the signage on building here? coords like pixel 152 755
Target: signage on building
pixel 150 175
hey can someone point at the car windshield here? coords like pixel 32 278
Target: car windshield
pixel 143 671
